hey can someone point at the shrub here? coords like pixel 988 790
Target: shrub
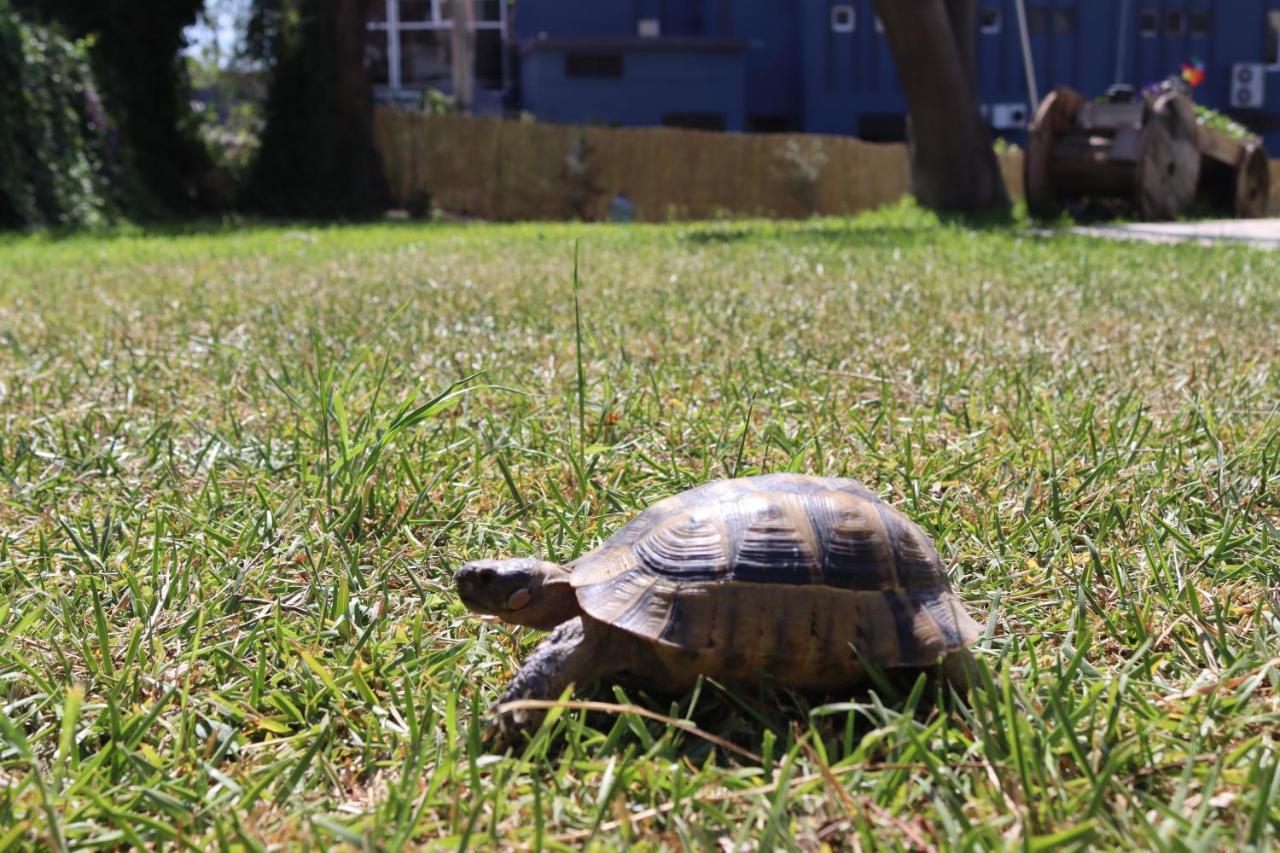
pixel 56 143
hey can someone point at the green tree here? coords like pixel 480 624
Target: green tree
pixel 317 156
pixel 135 52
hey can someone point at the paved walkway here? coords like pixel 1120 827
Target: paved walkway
pixel 1261 233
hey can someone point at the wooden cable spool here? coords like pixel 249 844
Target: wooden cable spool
pixel 1253 182
pixel 1146 154
pixel 1234 174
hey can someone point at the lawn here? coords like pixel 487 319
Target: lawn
pixel 237 469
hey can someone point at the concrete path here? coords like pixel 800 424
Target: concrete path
pixel 1260 233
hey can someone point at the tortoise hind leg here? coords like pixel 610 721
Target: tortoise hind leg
pixel 568 655
pixel 960 668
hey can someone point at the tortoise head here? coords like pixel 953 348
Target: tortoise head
pixel 525 591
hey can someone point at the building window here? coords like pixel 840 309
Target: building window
pixel 425 58
pixel 989 20
pixel 694 121
pixel 418 11
pixel 649 28
pixel 882 127
pixel 593 65
pixel 408 44
pixel 879 24
pixel 770 124
pixel 842 19
pixel 376 62
pixel 1064 22
pixel 1199 23
pixel 1148 23
pixel 1175 24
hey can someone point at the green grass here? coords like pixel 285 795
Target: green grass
pixel 237 470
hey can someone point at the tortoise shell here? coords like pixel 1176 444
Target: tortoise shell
pixel 797 575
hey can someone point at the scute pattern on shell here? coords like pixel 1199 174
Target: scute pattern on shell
pixel 777 570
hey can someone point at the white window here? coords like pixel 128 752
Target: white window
pixel 408 44
pixel 842 19
pixel 649 28
pixel 879 24
pixel 989 21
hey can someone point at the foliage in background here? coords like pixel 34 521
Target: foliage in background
pixel 802 163
pixel 228 107
pixel 134 49
pixel 228 91
pixel 1213 119
pixel 437 103
pixel 580 175
pixel 317 156
pixel 55 144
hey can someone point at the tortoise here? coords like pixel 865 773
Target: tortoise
pixel 792 577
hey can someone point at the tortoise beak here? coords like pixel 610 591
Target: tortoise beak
pixel 492 586
pixel 474 575
pixel 472 580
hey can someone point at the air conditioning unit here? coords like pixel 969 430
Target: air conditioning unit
pixel 1248 87
pixel 649 28
pixel 1009 116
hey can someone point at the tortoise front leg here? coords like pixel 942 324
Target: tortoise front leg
pixel 568 655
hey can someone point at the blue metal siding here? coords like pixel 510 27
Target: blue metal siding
pixel 559 18
pixel 771 29
pixel 656 84
pixel 796 66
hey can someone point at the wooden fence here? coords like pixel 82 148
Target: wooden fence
pixel 514 170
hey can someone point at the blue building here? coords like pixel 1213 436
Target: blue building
pixel 824 67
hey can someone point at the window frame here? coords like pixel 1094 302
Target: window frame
pixel 994 27
pixel 846 26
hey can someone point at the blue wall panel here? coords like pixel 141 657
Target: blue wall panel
pixel 654 84
pixel 559 18
pixel 771 29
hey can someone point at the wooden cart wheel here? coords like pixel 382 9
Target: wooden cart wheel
pixel 1170 163
pixel 1053 118
pixel 1253 182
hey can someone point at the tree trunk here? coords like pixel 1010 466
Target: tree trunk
pixel 353 93
pixel 962 15
pixel 463 44
pixel 317 156
pixel 953 166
